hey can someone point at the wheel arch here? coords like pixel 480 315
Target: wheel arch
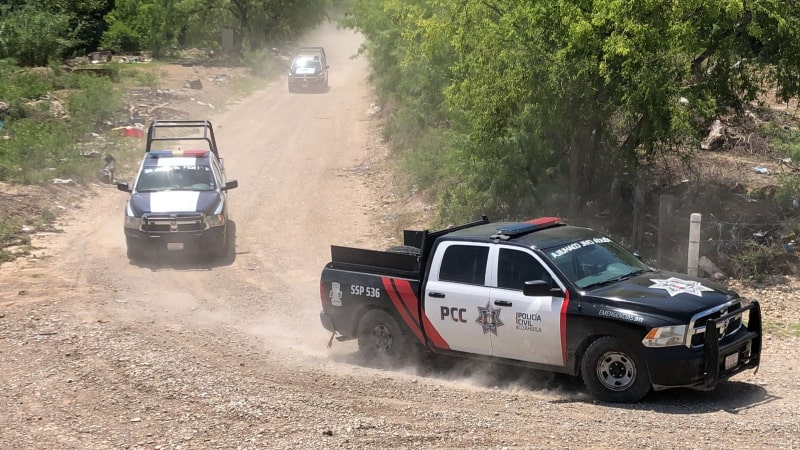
pixel 600 329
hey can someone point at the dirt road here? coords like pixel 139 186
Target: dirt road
pixel 96 352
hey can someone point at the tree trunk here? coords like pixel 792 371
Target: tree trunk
pixel 637 233
pixel 581 143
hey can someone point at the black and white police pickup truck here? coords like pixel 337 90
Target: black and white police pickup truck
pixel 545 295
pixel 179 199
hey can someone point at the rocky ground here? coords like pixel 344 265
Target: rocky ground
pixel 173 353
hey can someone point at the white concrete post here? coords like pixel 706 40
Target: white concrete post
pixel 694 243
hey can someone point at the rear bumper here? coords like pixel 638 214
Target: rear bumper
pixel 327 322
pixel 716 361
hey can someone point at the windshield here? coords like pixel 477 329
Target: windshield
pixel 307 63
pixel 176 178
pixel 595 262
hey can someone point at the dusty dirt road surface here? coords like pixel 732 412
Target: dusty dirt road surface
pixel 96 352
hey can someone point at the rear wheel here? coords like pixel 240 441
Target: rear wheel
pixel 380 335
pixel 613 371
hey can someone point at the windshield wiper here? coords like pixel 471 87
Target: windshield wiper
pixel 615 279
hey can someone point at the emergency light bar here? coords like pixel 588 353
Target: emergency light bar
pixel 542 222
pixel 178 153
pixel 518 229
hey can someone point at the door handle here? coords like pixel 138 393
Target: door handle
pixel 502 303
pixel 436 294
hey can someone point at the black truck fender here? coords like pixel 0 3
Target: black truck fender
pixel 592 329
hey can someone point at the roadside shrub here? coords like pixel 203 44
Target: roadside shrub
pixel 756 261
pixel 262 62
pixel 37 150
pixel 94 101
pixel 132 75
pixel 16 83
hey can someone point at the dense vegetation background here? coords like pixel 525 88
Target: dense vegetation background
pixel 37 32
pixel 520 100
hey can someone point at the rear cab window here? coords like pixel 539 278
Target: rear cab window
pixel 464 264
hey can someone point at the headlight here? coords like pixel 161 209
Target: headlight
pixel 215 220
pixel 132 222
pixel 665 336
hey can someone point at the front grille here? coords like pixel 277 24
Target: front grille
pixel 173 223
pixel 697 326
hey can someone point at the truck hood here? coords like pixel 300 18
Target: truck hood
pixel 175 201
pixel 666 292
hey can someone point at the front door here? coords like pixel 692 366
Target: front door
pixel 534 328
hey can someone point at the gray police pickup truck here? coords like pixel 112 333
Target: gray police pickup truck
pixel 545 295
pixel 179 199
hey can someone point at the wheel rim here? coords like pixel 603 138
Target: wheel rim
pixel 382 337
pixel 616 371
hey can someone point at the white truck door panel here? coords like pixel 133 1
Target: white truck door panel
pixel 534 327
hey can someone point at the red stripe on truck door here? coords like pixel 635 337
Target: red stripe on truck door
pixel 406 292
pixel 564 327
pixel 407 304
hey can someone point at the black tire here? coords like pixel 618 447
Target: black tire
pixel 134 252
pixel 404 249
pixel 614 372
pixel 291 88
pixel 379 335
pixel 219 248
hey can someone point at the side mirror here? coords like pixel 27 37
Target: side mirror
pixel 637 255
pixel 539 288
pixel 233 184
pixel 123 186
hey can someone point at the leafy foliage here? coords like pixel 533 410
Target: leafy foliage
pixel 567 95
pixel 33 36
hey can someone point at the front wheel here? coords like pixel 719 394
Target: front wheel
pixel 614 372
pixel 380 335
pixel 133 247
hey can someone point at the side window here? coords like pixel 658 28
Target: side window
pixel 217 168
pixel 464 264
pixel 515 267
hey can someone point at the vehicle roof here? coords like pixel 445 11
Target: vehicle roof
pixel 552 236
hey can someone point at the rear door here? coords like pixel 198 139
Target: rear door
pixel 535 330
pixel 457 299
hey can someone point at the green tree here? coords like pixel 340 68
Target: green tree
pixel 260 22
pixel 33 36
pixel 574 95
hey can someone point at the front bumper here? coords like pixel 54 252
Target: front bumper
pixel 190 240
pixel 307 80
pixel 715 361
